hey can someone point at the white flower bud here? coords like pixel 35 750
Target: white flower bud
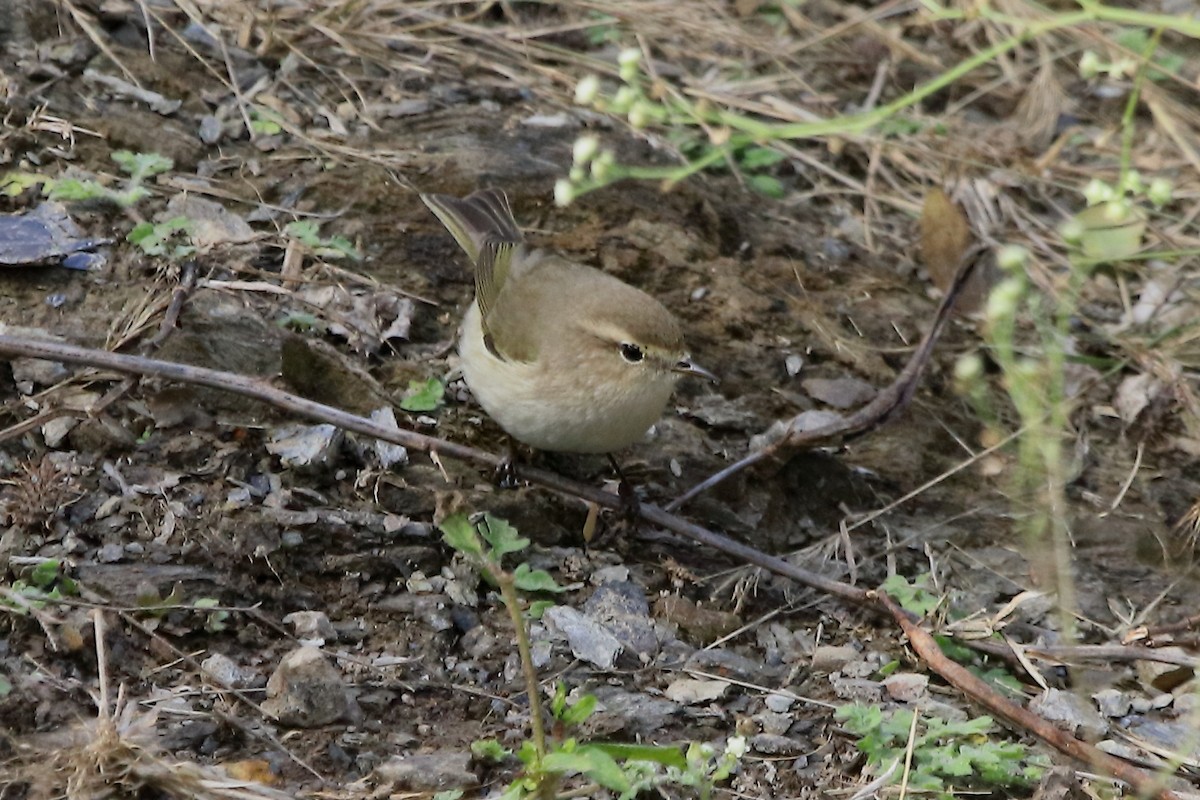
pixel 968 369
pixel 587 90
pixel 1131 182
pixel 624 99
pixel 564 192
pixel 736 746
pixel 1004 298
pixel 602 166
pixel 1089 64
pixel 629 59
pixel 1097 192
pixel 1118 211
pixel 639 115
pixel 585 149
pixel 1160 192
pixel 1072 231
pixel 1012 258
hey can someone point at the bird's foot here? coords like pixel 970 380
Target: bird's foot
pixel 505 474
pixel 631 506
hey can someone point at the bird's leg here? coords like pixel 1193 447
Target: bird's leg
pixel 629 499
pixel 505 474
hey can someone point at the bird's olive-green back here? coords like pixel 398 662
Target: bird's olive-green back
pixel 537 305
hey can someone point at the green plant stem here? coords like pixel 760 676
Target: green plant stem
pixel 508 591
pixel 1128 125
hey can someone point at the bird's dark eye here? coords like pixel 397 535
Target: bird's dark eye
pixel 631 353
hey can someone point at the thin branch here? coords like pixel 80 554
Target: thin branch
pixel 886 404
pixel 1143 784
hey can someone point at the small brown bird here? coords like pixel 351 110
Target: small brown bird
pixel 563 356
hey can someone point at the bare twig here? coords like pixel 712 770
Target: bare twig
pixel 886 404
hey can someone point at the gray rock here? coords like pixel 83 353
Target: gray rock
pixel 774 724
pixel 693 691
pixel 772 745
pixel 311 626
pixel 778 703
pixel 429 772
pixel 629 713
pixel 831 658
pixel 624 612
pixel 1071 713
pixel 588 639
pixel 306 691
pixel 305 446
pixel 907 687
pixel 1113 702
pixel 728 664
pixel 224 671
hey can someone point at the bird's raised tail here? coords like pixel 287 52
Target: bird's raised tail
pixel 482 223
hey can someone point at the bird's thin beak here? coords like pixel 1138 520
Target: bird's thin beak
pixel 684 366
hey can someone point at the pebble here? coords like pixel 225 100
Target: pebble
pixel 429 772
pixel 306 690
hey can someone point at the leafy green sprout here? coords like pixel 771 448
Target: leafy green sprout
pixel 170 238
pixel 628 770
pixel 138 166
pixel 426 395
pixel 947 757
pixel 45 584
pixel 307 233
pixel 264 121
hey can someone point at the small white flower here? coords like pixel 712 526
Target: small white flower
pixel 1090 64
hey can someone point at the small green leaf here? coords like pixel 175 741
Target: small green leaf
pixel 459 533
pixel 6 687
pixel 75 190
pixel 45 573
pixel 423 395
pixel 502 537
pixel 753 158
pixel 538 607
pixel 527 753
pixel 528 579
pixel 594 763
pixel 489 750
pixel 659 754
pixel 768 185
pixel 1112 231
pixel 304 231
pixel 579 711
pixel 142 165
pixel 15 182
pixel 559 702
